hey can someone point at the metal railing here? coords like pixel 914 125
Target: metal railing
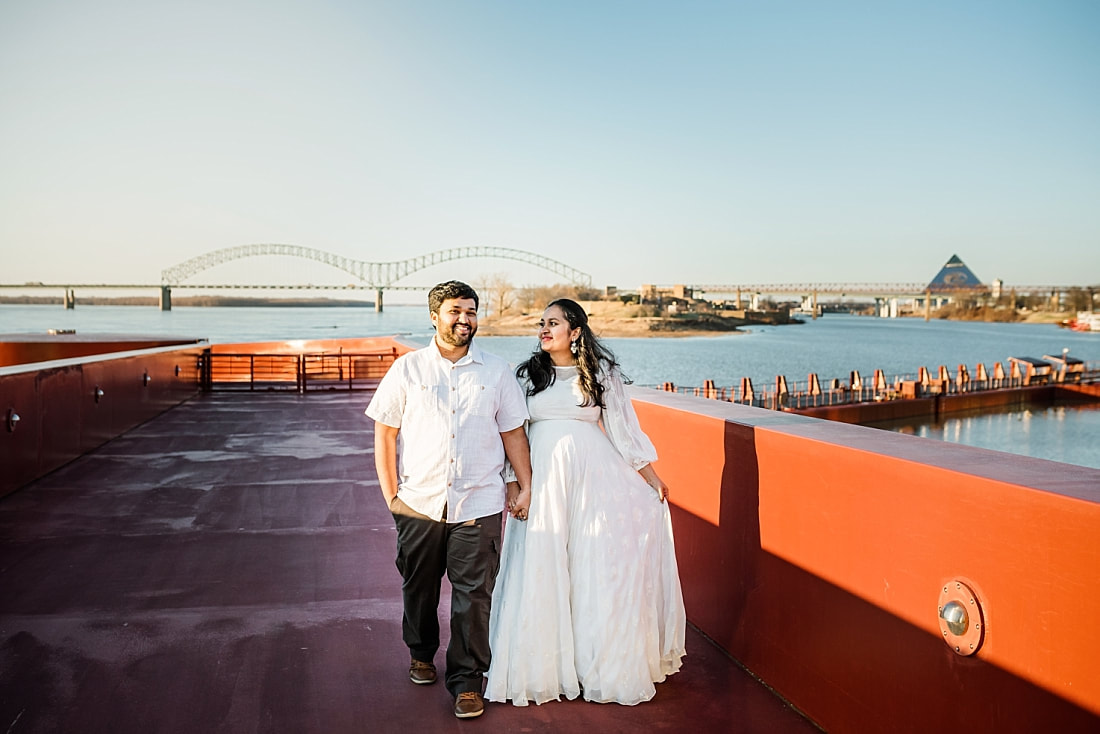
pixel 782 394
pixel 295 372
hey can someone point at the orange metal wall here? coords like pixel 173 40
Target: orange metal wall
pixel 59 418
pixel 46 349
pixel 314 346
pixel 814 552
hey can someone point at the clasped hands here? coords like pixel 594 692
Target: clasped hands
pixel 518 501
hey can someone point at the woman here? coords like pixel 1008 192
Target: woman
pixel 588 597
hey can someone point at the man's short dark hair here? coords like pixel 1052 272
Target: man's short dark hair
pixel 447 290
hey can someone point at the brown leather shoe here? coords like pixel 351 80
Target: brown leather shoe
pixel 421 673
pixel 469 704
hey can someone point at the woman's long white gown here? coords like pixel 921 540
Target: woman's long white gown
pixel 588 596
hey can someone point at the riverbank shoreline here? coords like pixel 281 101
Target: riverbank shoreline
pixel 607 329
pixel 614 319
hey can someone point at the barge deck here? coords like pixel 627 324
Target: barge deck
pixel 228 567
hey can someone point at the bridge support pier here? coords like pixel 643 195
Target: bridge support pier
pixel 70 299
pixel 886 308
pixel 165 298
pixel 378 300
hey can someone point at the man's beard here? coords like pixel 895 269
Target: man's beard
pixel 455 340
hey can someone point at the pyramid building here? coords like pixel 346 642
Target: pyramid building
pixel 955 276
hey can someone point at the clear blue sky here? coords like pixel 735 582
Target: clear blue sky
pixel 642 142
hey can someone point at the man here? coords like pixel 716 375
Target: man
pixel 459 412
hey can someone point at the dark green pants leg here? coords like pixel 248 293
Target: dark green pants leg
pixel 421 560
pixel 473 558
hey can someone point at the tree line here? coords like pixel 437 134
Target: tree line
pixel 500 297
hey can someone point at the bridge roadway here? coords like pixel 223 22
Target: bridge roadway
pixel 879 290
pixel 206 286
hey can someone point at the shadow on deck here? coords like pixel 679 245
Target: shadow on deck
pixel 228 567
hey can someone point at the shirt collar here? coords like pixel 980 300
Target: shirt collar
pixel 475 353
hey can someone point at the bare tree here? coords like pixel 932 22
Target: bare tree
pixel 533 298
pixel 497 294
pixel 1078 299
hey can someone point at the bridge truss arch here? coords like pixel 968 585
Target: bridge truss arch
pixel 370 274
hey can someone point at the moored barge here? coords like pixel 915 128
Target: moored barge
pixel 182 551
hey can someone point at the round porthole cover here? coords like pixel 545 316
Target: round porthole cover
pixel 960 618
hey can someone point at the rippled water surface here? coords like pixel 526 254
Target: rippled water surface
pixel 1069 433
pixel 832 346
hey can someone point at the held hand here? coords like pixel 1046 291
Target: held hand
pixel 511 491
pixel 521 505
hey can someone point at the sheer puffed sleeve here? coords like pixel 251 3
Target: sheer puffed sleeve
pixel 620 422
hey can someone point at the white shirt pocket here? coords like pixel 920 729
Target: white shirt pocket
pixel 426 398
pixel 478 400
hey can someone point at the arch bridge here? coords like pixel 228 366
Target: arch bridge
pixel 377 275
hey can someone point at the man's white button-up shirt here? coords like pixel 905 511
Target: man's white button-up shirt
pixel 450 417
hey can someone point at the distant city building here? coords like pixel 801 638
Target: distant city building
pixel 651 293
pixel 954 276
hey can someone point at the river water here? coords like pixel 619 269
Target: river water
pixel 831 346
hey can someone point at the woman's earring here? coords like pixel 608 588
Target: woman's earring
pixel 573 347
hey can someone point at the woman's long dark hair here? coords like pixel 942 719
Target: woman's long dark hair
pixel 591 356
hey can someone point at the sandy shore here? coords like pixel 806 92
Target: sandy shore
pixel 613 319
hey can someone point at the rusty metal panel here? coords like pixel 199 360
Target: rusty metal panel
pixel 20 440
pixel 60 417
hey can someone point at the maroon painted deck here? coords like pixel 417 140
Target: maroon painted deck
pixel 228 567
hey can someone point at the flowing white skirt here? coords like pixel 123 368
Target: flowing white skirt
pixel 588 595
